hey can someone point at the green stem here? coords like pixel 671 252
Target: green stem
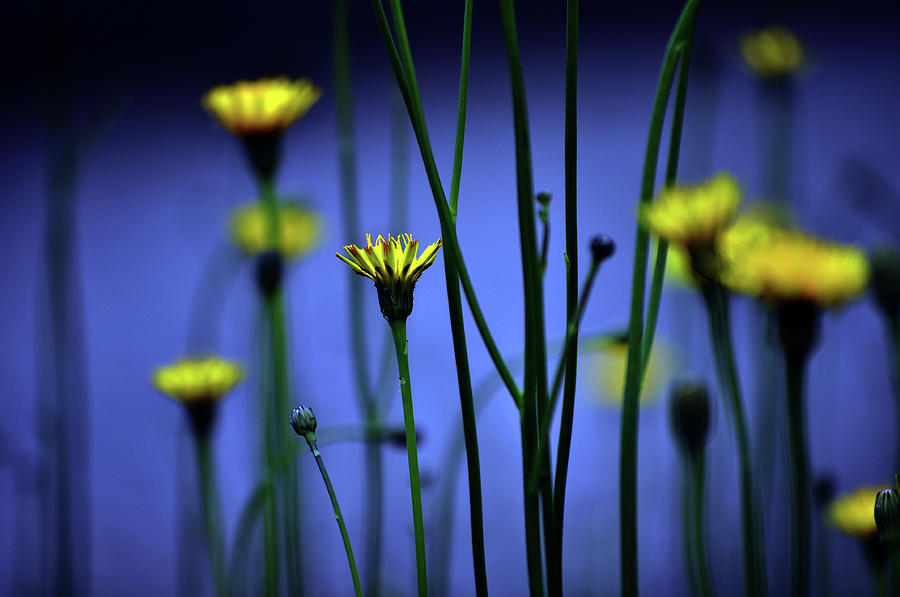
pixel 401 345
pixel 688 534
pixel 894 560
pixel 720 331
pixel 357 588
pixel 800 503
pixel 697 473
pixel 893 327
pixel 270 463
pixel 684 29
pixel 567 414
pixel 212 523
pixel 461 110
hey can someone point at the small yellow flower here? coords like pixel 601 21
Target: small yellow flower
pixel 792 266
pixel 854 513
pixel 772 53
pixel 299 229
pixel 608 360
pixel 678 266
pixel 394 266
pixel 197 380
pixel 263 106
pixel 693 215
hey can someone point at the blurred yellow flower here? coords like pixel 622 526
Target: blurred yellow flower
pixel 773 52
pixel 263 106
pixel 607 361
pixel 854 513
pixel 395 266
pixel 792 266
pixel 299 229
pixel 693 215
pixel 758 224
pixel 195 380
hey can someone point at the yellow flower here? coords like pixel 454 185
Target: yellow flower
pixel 678 266
pixel 693 215
pixel 792 266
pixel 607 365
pixel 263 106
pixel 854 513
pixel 195 380
pixel 773 52
pixel 299 229
pixel 394 266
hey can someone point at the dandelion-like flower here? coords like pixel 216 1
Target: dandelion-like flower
pixel 772 53
pixel 794 267
pixel 197 380
pixel 395 266
pixel 263 106
pixel 854 513
pixel 693 215
pixel 299 229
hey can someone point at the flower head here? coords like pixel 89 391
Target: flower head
pixel 303 420
pixel 693 215
pixel 395 266
pixel 795 267
pixel 197 380
pixel 854 513
pixel 299 229
pixel 263 106
pixel 772 53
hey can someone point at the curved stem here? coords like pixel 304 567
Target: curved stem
pixel 720 331
pixel 357 588
pixel 398 330
pixel 800 502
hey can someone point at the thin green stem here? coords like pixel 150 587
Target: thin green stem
pixel 687 524
pixel 720 331
pixel 567 414
pixel 797 450
pixel 893 328
pixel 269 463
pixel 212 522
pixel 409 91
pixel 357 588
pixel 697 473
pixel 398 330
pixel 684 30
pixel 461 110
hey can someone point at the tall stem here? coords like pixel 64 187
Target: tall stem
pixel 697 474
pixel 893 325
pixel 209 503
pixel 357 588
pixel 398 330
pixel 800 503
pixel 720 331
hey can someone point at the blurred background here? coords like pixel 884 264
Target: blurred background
pixel 102 128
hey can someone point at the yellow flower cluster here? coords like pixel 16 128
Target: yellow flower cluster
pixel 263 106
pixel 693 215
pixel 299 229
pixel 196 380
pixel 792 266
pixel 854 513
pixel 391 262
pixel 772 53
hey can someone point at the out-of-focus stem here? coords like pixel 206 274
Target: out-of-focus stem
pixel 800 503
pixel 212 522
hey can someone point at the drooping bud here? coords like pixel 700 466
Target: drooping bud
pixel 887 518
pixel 269 271
pixel 885 281
pixel 690 415
pixel 303 420
pixel 602 248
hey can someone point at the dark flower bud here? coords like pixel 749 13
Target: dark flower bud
pixel 690 415
pixel 885 281
pixel 602 248
pixel 887 518
pixel 544 198
pixel 303 420
pixel 269 271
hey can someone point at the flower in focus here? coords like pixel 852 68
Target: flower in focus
pixel 693 215
pixel 607 365
pixel 395 266
pixel 263 106
pixel 299 229
pixel 795 267
pixel 194 380
pixel 854 513
pixel 772 53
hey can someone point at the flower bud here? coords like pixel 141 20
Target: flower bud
pixel 269 271
pixel 690 415
pixel 885 262
pixel 303 420
pixel 887 518
pixel 602 248
pixel 544 198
